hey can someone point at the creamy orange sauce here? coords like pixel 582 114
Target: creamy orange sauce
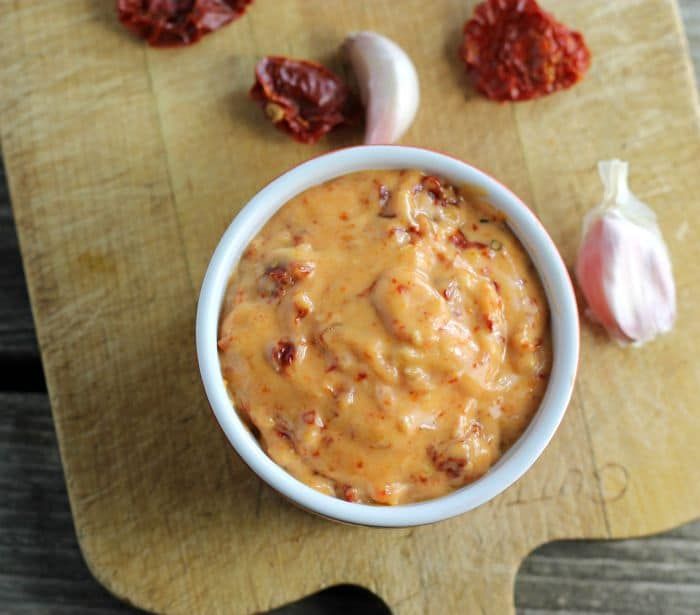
pixel 386 337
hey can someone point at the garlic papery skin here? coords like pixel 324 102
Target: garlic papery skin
pixel 623 266
pixel 388 84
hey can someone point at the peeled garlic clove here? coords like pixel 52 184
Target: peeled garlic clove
pixel 623 266
pixel 388 85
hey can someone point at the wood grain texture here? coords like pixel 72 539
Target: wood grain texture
pixel 129 217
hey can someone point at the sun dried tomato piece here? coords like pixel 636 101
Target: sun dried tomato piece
pixel 458 239
pixel 277 280
pixel 281 279
pixel 283 355
pixel 452 466
pixel 174 23
pixel 302 98
pixel 433 186
pixel 514 50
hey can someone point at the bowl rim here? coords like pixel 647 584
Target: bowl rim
pixel 550 268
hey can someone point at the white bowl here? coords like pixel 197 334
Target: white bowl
pixel 531 233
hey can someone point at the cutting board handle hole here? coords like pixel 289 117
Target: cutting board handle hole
pixel 337 599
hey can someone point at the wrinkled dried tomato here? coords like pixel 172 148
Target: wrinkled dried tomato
pixel 514 50
pixel 173 23
pixel 302 98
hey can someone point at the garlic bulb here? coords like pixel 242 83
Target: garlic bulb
pixel 623 265
pixel 388 85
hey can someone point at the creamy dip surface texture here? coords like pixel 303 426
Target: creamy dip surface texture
pixel 386 337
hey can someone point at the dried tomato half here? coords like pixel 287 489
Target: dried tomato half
pixel 174 23
pixel 302 98
pixel 514 50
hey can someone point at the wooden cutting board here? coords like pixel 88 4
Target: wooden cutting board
pixel 127 163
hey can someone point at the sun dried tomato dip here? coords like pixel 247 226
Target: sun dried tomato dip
pixel 386 337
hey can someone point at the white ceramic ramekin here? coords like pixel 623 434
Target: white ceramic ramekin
pixel 544 254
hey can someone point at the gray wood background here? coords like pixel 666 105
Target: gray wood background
pixel 42 571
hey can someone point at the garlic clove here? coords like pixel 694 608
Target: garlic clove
pixel 388 85
pixel 623 266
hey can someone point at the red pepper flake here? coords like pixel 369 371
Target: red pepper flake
pixel 361 376
pixel 309 417
pixel 343 215
pixel 401 288
pixel 331 368
pixel 514 50
pixel 489 324
pixel 458 239
pixel 283 355
pixel 174 23
pixel 302 98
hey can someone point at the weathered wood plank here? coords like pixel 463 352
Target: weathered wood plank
pixel 41 568
pixel 4 192
pixel 554 594
pixel 18 345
